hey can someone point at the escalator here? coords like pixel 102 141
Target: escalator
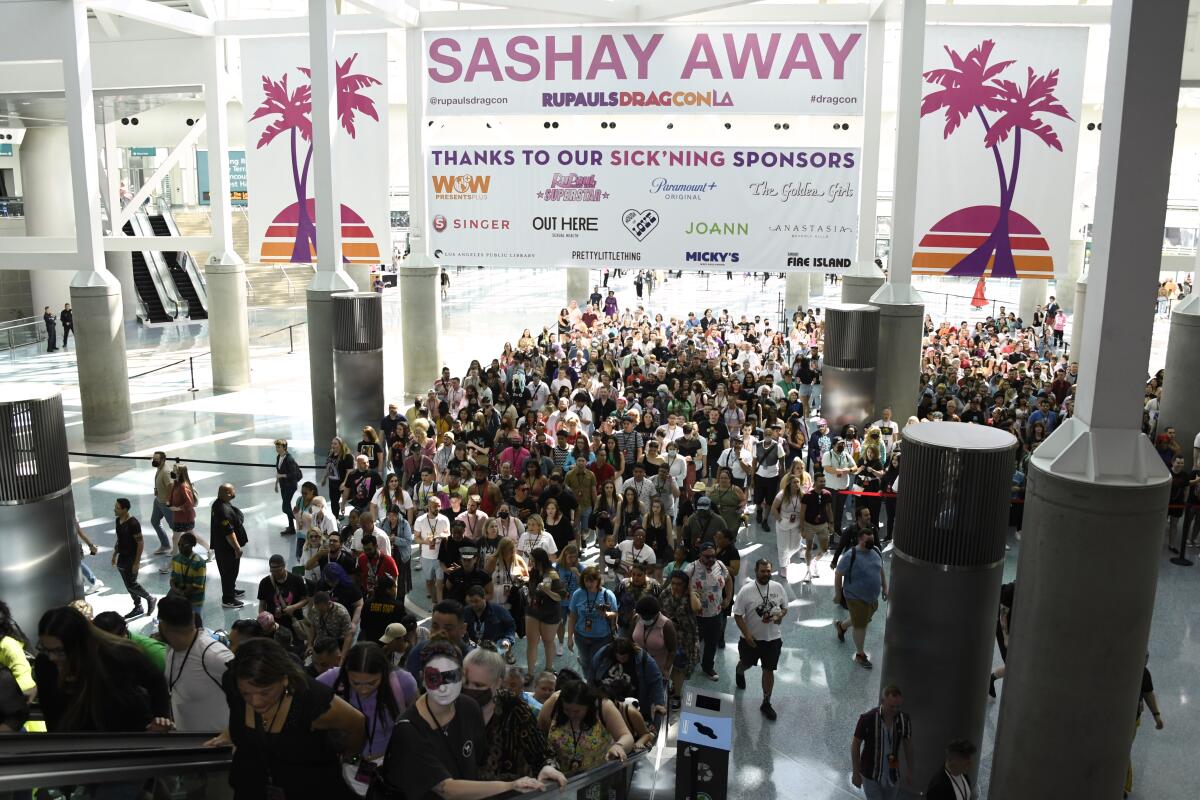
pixel 144 279
pixel 187 277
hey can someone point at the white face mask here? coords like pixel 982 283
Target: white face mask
pixel 447 693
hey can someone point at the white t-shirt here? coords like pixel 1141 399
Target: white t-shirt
pixel 194 681
pixel 532 541
pixel 381 541
pixel 751 600
pixel 406 502
pixel 631 555
pixel 888 437
pixel 841 461
pixel 431 531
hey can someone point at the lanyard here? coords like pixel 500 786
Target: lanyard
pixel 175 677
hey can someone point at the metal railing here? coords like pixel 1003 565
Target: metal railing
pixel 23 332
pixel 12 207
pixel 291 338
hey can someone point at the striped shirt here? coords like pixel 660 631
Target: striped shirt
pixel 188 574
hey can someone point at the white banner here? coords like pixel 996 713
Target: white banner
pixel 719 208
pixel 999 130
pixel 717 67
pixel 279 164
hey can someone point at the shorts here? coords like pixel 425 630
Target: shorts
pixel 809 531
pixel 432 568
pixel 804 389
pixel 767 652
pixel 183 527
pixel 861 612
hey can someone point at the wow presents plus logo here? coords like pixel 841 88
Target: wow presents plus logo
pixel 573 188
pixel 461 187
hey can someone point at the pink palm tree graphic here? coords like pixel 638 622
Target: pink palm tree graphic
pixel 974 85
pixel 293 110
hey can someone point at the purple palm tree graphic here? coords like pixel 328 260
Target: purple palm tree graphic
pixel 974 85
pixel 294 111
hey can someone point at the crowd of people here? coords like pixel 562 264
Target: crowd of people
pixel 588 491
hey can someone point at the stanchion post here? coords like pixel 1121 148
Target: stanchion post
pixel 291 344
pixel 192 370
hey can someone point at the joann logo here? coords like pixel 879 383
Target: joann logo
pixel 461 187
pixel 712 257
pixel 709 228
pixel 573 188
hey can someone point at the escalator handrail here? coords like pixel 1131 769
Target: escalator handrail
pixel 156 265
pixel 187 263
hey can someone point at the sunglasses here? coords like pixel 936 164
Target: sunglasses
pixel 435 679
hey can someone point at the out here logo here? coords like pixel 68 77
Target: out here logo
pixel 461 187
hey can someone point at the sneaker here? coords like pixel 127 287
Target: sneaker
pixel 153 602
pixel 239 592
pixel 287 533
pixel 135 613
pixel 712 675
pixel 417 565
pixel 808 576
pixel 558 648
pixel 208 559
pixel 234 603
pixel 863 661
pixel 162 551
pixel 816 569
pixel 768 711
pixel 739 678
pixel 766 526
pixel 676 702
pixel 841 632
pixel 91 588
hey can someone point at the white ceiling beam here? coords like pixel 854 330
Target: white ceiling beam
pixel 1031 14
pixel 879 9
pixel 108 24
pixel 203 8
pixel 581 10
pixel 177 152
pixel 399 13
pixel 809 12
pixel 130 244
pixel 670 9
pixel 499 18
pixel 155 14
pixel 260 27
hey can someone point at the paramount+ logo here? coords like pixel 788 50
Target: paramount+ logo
pixel 461 187
pixel 711 257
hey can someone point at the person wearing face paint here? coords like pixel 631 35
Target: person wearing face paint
pixel 758 609
pixel 366 681
pixel 516 747
pixel 280 721
pixel 438 747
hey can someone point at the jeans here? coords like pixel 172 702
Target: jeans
pixel 709 629
pixel 228 565
pixel 88 575
pixel 287 490
pixel 131 584
pixel 586 647
pixel 161 512
pixel 874 791
pixel 335 497
pixel 889 503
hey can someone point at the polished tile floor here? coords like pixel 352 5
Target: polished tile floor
pixel 819 690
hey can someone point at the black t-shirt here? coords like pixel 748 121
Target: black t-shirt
pixel 1179 491
pixel 363 486
pixel 348 594
pixel 461 581
pixel 370 450
pixel 420 757
pixel 449 553
pixel 346 559
pixel 814 504
pixel 129 533
pixel 274 596
pixel 715 433
pixel 1194 491
pixel 377 615
pixel 688 447
pixel 562 532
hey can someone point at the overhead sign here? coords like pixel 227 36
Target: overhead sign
pixel 726 68
pixel 238 194
pixel 999 133
pixel 143 152
pixel 723 208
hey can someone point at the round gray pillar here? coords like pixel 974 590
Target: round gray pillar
pixel 320 365
pixel 100 357
pixel 1064 287
pixel 360 274
pixel 947 566
pixel 37 510
pixel 1075 342
pixel 1032 294
pixel 860 288
pixel 851 356
pixel 1081 617
pixel 228 326
pixel 421 316
pixel 795 293
pixel 816 284
pixel 898 375
pixel 1181 384
pixel 121 266
pixel 46 181
pixel 578 288
pixel 357 360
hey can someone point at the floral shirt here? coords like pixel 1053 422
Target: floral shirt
pixel 709 583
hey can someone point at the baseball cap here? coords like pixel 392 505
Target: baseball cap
pixel 704 502
pixel 393 632
pixel 277 561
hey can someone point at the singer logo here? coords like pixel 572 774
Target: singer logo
pixel 461 187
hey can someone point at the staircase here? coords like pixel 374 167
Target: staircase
pixel 179 275
pixel 147 291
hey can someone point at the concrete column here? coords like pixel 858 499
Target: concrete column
pixel 865 278
pixel 100 353
pixel 46 178
pixel 816 284
pixel 121 266
pixel 1075 339
pixel 421 310
pixel 1096 478
pixel 795 293
pixel 225 273
pixel 228 326
pixel 360 275
pixel 330 278
pixel 578 287
pixel 1181 383
pixel 1032 294
pixel 1064 290
pixel 901 310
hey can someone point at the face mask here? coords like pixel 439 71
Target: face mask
pixel 648 621
pixel 503 515
pixel 480 696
